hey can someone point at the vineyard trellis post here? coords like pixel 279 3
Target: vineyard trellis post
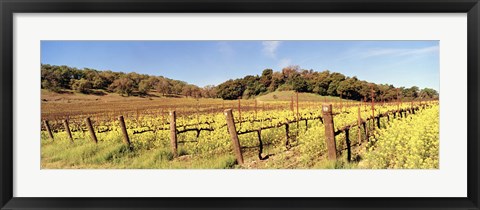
pixel 297 117
pixel 90 129
pixel 378 122
pixel 329 131
pixel 234 136
pixel 239 112
pixel 347 141
pixel 287 136
pixel 126 140
pixel 373 107
pixel 359 122
pixel 49 130
pixel 398 100
pixel 173 133
pixel 67 129
pixel 260 144
pixel 298 114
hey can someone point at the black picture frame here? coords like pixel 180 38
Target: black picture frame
pixel 9 7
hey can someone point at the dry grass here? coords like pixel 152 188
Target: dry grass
pixel 285 96
pixel 61 105
pixel 70 104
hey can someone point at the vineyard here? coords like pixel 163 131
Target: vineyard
pixel 246 134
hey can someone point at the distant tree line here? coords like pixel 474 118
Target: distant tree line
pixel 323 83
pixel 58 78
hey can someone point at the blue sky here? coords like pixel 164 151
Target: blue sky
pixel 401 63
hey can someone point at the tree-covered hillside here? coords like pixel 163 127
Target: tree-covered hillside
pixel 58 78
pixel 323 83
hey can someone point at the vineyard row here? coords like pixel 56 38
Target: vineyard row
pixel 326 119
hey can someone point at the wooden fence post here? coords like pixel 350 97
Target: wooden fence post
pixel 287 135
pixel 239 113
pixel 373 107
pixel 67 129
pixel 347 141
pixel 47 127
pixel 260 144
pixel 90 129
pixel 398 101
pixel 126 140
pixel 234 136
pixel 359 122
pixel 329 131
pixel 378 122
pixel 298 114
pixel 173 133
pixel 297 118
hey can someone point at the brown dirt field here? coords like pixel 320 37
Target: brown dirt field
pixel 61 105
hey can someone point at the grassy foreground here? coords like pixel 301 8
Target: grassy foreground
pixel 390 147
pixel 61 154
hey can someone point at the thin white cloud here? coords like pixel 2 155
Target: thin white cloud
pixel 363 53
pixel 284 63
pixel 397 52
pixel 426 50
pixel 270 48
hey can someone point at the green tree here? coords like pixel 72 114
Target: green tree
pixel 349 88
pixel 277 80
pixel 266 78
pixel 144 86
pixel 411 93
pixel 81 85
pixel 163 86
pixel 231 89
pixel 321 82
pixel 209 91
pixel 428 93
pixel 299 84
pixel 335 79
pixel 123 85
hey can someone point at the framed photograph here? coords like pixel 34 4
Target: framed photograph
pixel 239 105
